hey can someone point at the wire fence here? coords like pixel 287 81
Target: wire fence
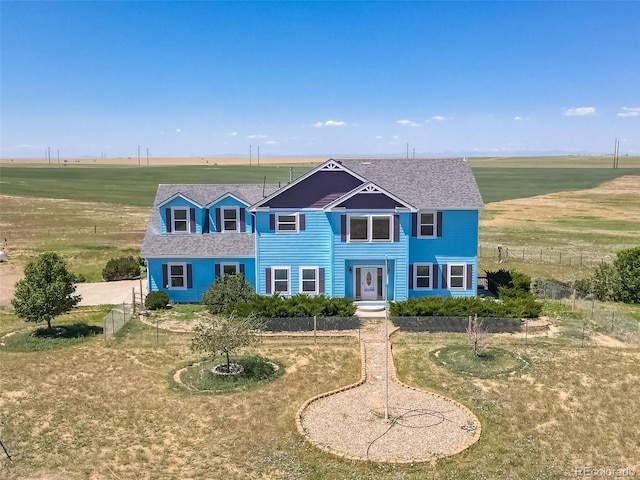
pixel 545 255
pixel 118 316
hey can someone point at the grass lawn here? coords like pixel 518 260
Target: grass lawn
pixel 546 405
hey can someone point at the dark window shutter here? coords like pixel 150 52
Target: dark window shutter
pixel 165 276
pixel 434 276
pixel 242 268
pixel 396 228
pixel 205 225
pixel 321 280
pixel 411 276
pixel 302 222
pixel 414 224
pixel 444 276
pixel 218 227
pixel 469 276
pixel 216 269
pixel 189 275
pixel 272 221
pixel 439 217
pixel 243 225
pixel 167 216
pixel 343 228
pixel 268 280
pixel 192 220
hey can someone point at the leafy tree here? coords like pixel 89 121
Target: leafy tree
pixel 225 335
pixel 226 292
pixel 627 269
pixel 46 290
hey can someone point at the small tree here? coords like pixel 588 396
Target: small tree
pixel 475 335
pixel 226 292
pixel 225 335
pixel 46 290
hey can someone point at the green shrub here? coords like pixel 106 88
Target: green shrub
pixel 508 283
pixel 228 293
pixel 79 278
pixel 297 306
pixel 121 268
pixel 157 300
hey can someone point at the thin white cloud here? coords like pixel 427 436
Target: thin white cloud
pixel 231 134
pixel 408 122
pixel 257 136
pixel 517 118
pixel 378 137
pixel 437 118
pixel 330 123
pixel 629 112
pixel 178 130
pixel 272 142
pixel 580 111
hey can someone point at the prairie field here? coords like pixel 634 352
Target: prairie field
pixel 90 410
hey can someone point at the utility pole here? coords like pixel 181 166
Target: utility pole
pixel 258 155
pixel 58 156
pixel 147 156
pixel 138 155
pixel 250 146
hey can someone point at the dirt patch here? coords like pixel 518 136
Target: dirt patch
pixel 10 273
pixel 607 341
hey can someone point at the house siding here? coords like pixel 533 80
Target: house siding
pixel 202 276
pixel 309 247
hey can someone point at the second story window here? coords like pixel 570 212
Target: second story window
pixel 230 219
pixel 370 228
pixel 180 220
pixel 286 223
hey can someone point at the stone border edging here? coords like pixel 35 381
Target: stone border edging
pixel 394 378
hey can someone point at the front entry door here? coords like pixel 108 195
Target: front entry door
pixel 369 283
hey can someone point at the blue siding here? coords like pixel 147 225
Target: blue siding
pixel 458 244
pixel 310 247
pixel 203 274
pixel 181 202
pixel 229 201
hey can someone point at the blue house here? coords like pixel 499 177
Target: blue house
pixel 366 229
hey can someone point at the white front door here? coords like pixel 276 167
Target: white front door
pixel 369 283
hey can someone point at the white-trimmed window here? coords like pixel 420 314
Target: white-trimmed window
pixel 309 280
pixel 370 228
pixel 457 276
pixel 177 276
pixel 180 220
pixel 427 226
pixel 287 223
pixel 232 268
pixel 422 276
pixel 281 280
pixel 230 219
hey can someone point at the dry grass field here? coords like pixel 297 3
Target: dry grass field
pixel 167 161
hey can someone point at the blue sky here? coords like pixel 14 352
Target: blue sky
pixel 318 78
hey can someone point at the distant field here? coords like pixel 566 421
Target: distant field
pixel 498 178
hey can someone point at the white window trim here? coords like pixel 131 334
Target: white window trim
pixel 273 280
pixel 435 224
pixel 464 276
pixel 227 264
pixel 170 276
pixel 296 219
pixel 222 227
pixel 415 275
pixel 316 280
pixel 173 220
pixel 370 238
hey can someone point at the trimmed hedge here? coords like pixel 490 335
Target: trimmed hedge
pixel 296 306
pixel 454 324
pixel 517 307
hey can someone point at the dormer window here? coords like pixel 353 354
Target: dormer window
pixel 180 220
pixel 230 219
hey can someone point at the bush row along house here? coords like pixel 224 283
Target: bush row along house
pixel 365 229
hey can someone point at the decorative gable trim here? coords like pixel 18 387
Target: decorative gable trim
pixel 368 188
pixel 227 195
pixel 330 165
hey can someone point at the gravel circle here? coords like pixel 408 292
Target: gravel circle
pixel 420 426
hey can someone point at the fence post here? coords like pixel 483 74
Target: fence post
pixel 560 258
pixel 613 316
pixel 113 323
pixel 540 255
pixel 315 325
pixel 133 296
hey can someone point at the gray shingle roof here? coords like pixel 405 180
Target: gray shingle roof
pixel 156 244
pixel 423 182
